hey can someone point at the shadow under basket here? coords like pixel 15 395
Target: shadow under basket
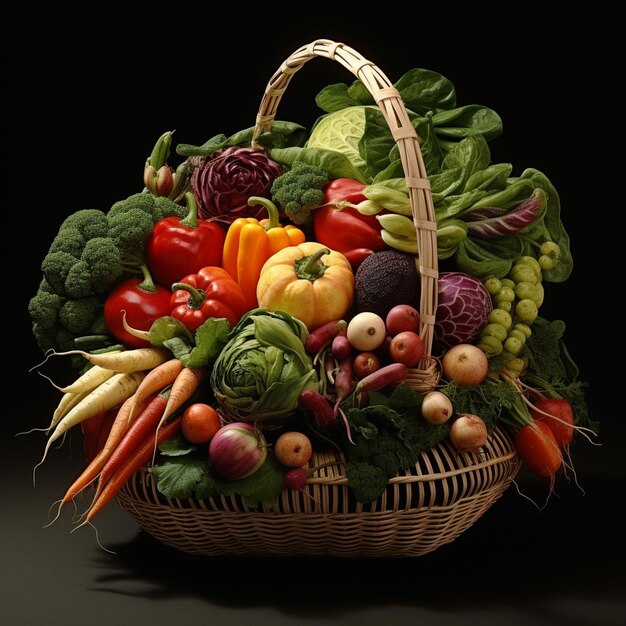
pixel 421 509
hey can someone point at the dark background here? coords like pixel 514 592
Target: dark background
pixel 86 92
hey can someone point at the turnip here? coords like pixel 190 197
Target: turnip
pixel 465 364
pixel 436 407
pixel 468 433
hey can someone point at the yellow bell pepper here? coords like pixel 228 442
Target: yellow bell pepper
pixel 309 281
pixel 250 242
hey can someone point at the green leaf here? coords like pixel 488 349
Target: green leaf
pixel 446 183
pixel 473 259
pixel 206 149
pixel 281 135
pixel 177 446
pixel 453 206
pixel 211 337
pixel 424 90
pixel 178 477
pixel 336 164
pixel 472 154
pixel 334 98
pixel 262 486
pixel 429 145
pixel 467 120
pixel 554 225
pixel 167 327
pixel 405 399
pixel 375 143
pixel 492 177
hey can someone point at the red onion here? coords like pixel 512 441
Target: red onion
pixel 237 450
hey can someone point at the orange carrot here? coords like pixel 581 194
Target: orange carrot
pixel 140 457
pixel 90 473
pixel 142 426
pixel 183 388
pixel 156 380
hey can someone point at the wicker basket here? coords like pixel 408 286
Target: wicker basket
pixel 422 508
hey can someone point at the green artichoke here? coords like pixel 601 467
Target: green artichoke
pixel 263 368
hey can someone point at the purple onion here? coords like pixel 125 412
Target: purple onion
pixel 463 308
pixel 223 182
pixel 237 450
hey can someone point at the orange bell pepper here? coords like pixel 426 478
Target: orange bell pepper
pixel 250 242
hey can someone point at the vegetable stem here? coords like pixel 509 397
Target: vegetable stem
pixel 272 210
pixel 311 267
pixel 191 219
pixel 196 296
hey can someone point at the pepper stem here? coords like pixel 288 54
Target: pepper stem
pixel 196 296
pixel 147 284
pixel 272 210
pixel 191 219
pixel 311 267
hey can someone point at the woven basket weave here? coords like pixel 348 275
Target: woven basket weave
pixel 422 508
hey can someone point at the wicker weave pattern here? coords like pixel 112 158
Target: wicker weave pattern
pixel 422 508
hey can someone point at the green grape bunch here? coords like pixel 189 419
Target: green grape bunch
pixel 516 302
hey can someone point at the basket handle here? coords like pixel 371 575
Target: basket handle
pixel 392 107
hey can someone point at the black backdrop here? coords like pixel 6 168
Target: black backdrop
pixel 87 88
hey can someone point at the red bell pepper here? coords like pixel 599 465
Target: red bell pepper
pixel 341 227
pixel 211 292
pixel 178 247
pixel 141 301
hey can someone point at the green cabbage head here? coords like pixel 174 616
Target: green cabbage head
pixel 263 368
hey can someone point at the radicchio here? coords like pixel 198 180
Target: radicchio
pixel 462 311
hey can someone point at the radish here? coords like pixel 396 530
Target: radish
pixel 341 347
pixel 322 336
pixel 323 415
pixel 392 374
pixel 539 449
pixel 558 415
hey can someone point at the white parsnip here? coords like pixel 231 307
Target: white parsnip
pixel 93 377
pixel 134 360
pixel 109 394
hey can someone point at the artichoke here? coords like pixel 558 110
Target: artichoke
pixel 260 373
pixel 223 182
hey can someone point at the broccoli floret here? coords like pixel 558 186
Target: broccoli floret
pixel 43 309
pixel 64 340
pixel 129 231
pixel 366 480
pixel 46 338
pixel 77 316
pixel 90 223
pixel 44 285
pixel 78 282
pixel 157 208
pixel 55 267
pixel 142 201
pixel 104 263
pixel 68 240
pixel 164 207
pixel 299 191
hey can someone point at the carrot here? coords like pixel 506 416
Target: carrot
pixel 141 455
pixel 156 380
pixel 127 360
pixel 143 426
pixel 106 396
pixel 187 381
pixel 90 473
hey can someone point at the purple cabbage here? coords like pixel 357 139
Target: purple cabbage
pixel 462 311
pixel 223 182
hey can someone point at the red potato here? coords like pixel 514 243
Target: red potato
pixel 406 347
pixel 402 317
pixel 365 363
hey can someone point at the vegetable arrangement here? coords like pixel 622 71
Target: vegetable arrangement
pixel 258 304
